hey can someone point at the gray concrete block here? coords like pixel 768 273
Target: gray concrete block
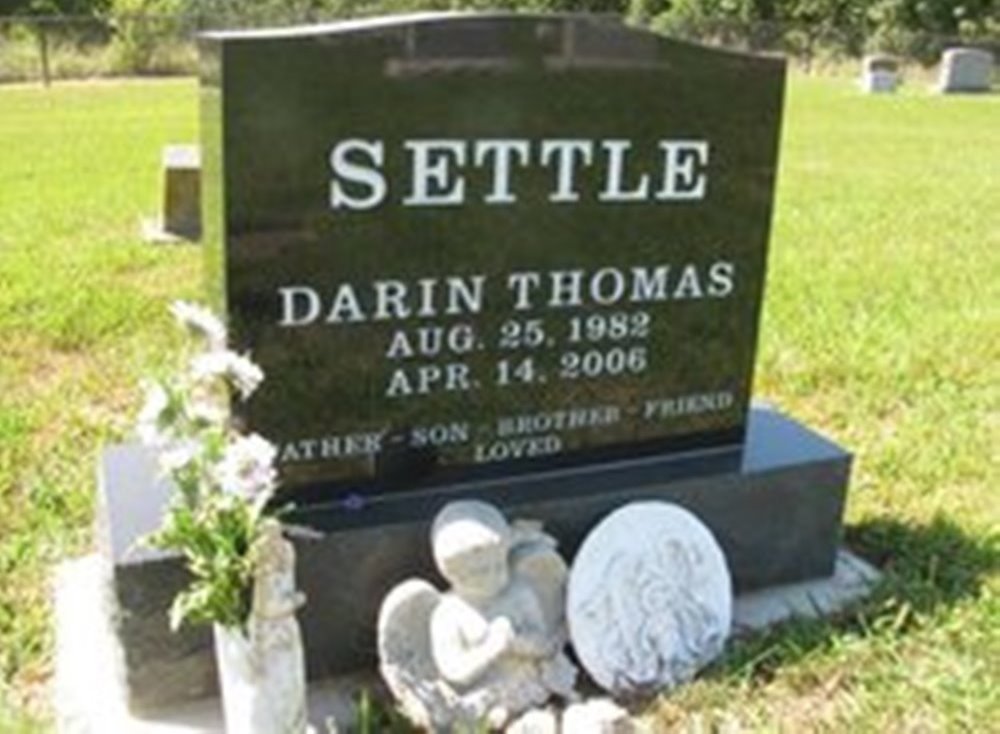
pixel 181 215
pixel 91 695
pixel 852 580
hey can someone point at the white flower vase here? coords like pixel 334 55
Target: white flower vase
pixel 262 671
pixel 239 679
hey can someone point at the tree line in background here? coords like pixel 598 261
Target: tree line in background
pixel 145 35
pixel 916 29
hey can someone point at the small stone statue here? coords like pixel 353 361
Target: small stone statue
pixel 491 647
pixel 263 672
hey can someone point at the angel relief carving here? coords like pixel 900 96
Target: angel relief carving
pixel 650 599
pixel 492 646
pixel 657 630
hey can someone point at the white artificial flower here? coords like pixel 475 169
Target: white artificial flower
pixel 207 411
pixel 247 467
pixel 210 365
pixel 179 455
pixel 148 422
pixel 201 321
pixel 243 373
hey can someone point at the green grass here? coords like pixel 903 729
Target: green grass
pixel 881 327
pixel 81 318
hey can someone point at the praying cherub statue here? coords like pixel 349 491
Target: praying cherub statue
pixel 491 647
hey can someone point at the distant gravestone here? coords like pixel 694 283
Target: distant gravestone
pixel 181 215
pixel 879 74
pixel 965 70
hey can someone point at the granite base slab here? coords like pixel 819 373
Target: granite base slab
pixel 775 507
pixel 92 698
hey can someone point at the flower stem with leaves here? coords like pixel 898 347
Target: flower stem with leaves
pixel 224 479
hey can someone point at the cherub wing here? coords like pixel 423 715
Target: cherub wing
pixel 534 558
pixel 404 648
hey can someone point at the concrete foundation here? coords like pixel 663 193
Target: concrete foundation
pixel 775 508
pixel 92 696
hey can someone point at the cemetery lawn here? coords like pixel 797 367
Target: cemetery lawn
pixel 881 328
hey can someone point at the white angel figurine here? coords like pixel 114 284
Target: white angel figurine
pixel 491 647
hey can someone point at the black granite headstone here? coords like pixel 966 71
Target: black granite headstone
pixel 464 247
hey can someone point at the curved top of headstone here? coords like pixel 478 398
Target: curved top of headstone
pixel 880 62
pixel 621 39
pixel 341 26
pixel 979 53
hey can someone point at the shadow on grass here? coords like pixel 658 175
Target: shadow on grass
pixel 927 569
pixel 926 566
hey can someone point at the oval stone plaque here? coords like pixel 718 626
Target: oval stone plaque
pixel 650 598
